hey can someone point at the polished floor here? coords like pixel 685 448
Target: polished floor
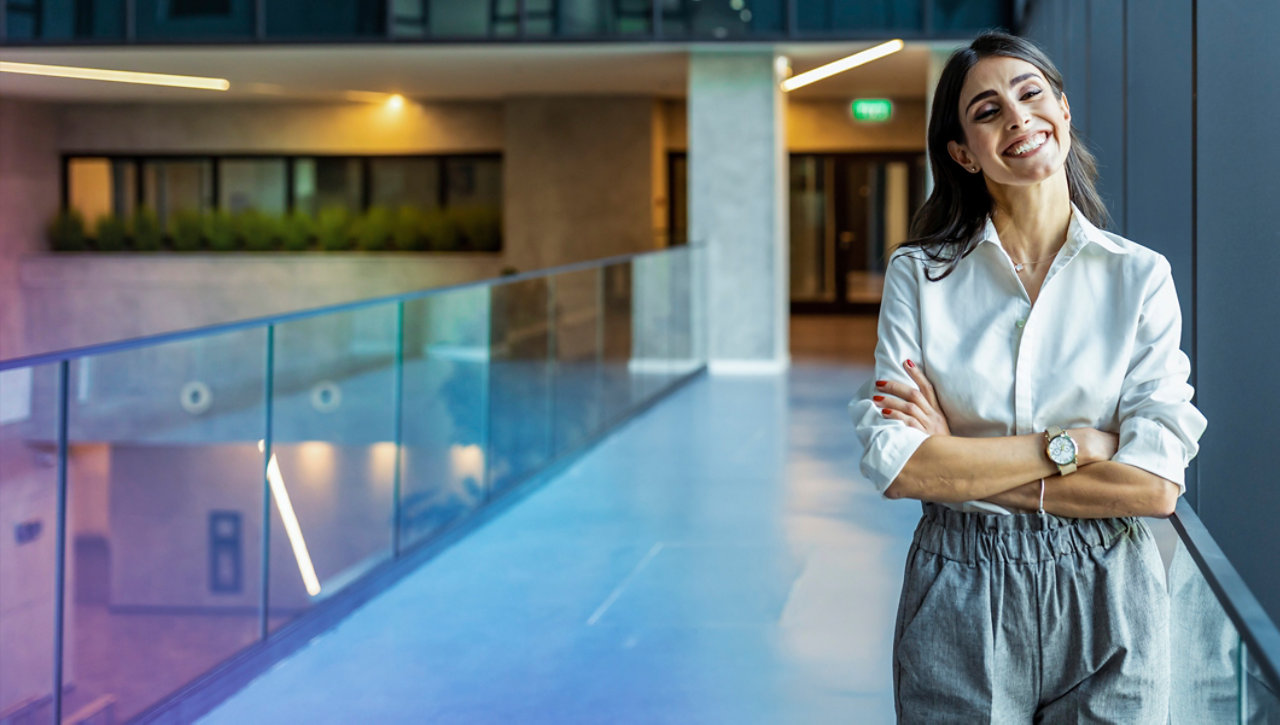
pixel 716 560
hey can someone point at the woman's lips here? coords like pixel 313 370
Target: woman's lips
pixel 1042 137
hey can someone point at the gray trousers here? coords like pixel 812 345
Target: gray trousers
pixel 1027 618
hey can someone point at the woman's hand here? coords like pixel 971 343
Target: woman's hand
pixel 916 406
pixel 1093 445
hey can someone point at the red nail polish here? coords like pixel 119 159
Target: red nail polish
pixel 880 383
pixel 886 412
pixel 910 364
pixel 877 398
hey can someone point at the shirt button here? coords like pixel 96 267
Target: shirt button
pixel 1021 324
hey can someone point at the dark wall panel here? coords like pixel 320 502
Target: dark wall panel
pixel 1238 253
pixel 1158 146
pixel 1105 56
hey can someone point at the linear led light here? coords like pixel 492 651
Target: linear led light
pixel 118 76
pixel 291 527
pixel 842 65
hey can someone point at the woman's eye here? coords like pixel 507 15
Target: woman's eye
pixel 984 114
pixel 1031 93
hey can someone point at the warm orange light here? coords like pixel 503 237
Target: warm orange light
pixel 395 102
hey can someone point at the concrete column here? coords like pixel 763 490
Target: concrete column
pixel 737 206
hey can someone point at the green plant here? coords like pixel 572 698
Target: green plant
pixel 220 231
pixel 66 231
pixel 406 228
pixel 333 229
pixel 258 232
pixel 110 233
pixel 440 231
pixel 186 229
pixel 480 227
pixel 296 232
pixel 148 235
pixel 372 231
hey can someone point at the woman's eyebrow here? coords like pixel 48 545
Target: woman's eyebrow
pixel 1014 82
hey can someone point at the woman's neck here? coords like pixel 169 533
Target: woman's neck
pixel 1032 221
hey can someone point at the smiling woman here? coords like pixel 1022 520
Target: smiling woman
pixel 1033 396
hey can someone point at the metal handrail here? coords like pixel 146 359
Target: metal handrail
pixel 1250 620
pixel 256 322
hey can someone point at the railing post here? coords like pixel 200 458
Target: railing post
pixel 1242 681
pixel 60 546
pixel 268 388
pixel 398 387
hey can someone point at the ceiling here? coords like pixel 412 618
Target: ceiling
pixel 440 72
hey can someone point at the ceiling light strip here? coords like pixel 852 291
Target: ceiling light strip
pixel 116 76
pixel 842 65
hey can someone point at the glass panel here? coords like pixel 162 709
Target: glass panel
pixel 812 258
pixel 444 18
pixel 519 381
pixel 327 19
pixel 615 371
pixel 164 519
pixel 89 188
pixel 578 332
pixel 81 20
pixel 405 182
pixel 252 184
pixel 333 440
pixel 28 544
pixel 473 182
pixel 678 191
pixel 650 308
pixel 968 14
pixel 169 186
pixel 320 183
pixel 446 374
pixel 195 19
pixel 1200 634
pixel 836 15
pixel 721 18
pixel 1261 699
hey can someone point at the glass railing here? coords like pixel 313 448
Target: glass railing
pixel 1225 664
pixel 234 21
pixel 169 502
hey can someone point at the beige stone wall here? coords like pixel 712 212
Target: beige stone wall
pixel 578 175
pixel 29 189
pixel 824 126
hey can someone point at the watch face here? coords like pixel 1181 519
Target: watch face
pixel 1062 450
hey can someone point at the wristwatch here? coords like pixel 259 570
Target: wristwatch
pixel 1061 449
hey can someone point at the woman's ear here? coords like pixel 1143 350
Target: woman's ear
pixel 1066 107
pixel 961 156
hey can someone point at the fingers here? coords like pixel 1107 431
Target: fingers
pixel 902 406
pixel 926 387
pixel 902 390
pixel 899 415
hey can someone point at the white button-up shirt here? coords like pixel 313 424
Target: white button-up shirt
pixel 1099 349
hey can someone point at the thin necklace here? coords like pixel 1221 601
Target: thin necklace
pixel 1017 266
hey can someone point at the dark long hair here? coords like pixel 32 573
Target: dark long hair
pixel 946 226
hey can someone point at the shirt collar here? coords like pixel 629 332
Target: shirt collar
pixel 1080 232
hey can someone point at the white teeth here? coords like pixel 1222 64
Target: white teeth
pixel 1031 145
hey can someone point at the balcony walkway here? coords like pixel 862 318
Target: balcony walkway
pixel 716 560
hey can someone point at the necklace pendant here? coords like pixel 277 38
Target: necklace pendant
pixel 1017 267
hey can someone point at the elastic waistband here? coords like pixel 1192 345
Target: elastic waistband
pixel 971 537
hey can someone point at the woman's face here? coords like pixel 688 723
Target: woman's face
pixel 1015 131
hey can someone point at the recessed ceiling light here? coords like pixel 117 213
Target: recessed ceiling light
pixel 116 76
pixel 842 65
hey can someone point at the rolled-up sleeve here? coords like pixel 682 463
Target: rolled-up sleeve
pixel 1159 426
pixel 888 444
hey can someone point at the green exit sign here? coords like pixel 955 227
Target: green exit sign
pixel 872 109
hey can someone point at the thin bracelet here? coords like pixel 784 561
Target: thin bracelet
pixel 1041 509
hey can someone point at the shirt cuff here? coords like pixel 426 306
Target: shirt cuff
pixel 887 453
pixel 1150 446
